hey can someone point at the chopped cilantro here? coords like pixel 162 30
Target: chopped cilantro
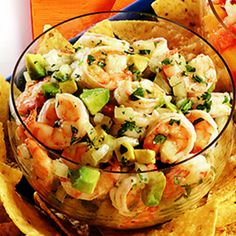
pixel 198 79
pixel 91 59
pixel 74 140
pixel 166 61
pixel 124 161
pixel 78 48
pixel 190 68
pixel 74 130
pixel 206 96
pixel 185 105
pixel 172 121
pixel 105 128
pixel 205 106
pixel 144 51
pixel 198 121
pixel 160 138
pixel 128 125
pixel 226 99
pixel 101 64
pixel 139 92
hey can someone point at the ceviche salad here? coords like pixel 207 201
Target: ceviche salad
pixel 116 113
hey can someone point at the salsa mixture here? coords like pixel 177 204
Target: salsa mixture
pixel 116 113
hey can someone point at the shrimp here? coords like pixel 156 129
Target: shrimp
pixel 42 163
pixel 218 103
pixel 172 136
pixel 205 128
pixel 72 117
pixel 142 96
pixel 105 183
pixel 102 67
pixel 180 178
pixel 92 40
pixel 203 76
pixel 31 98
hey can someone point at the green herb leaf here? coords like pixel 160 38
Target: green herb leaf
pixel 144 51
pixel 91 59
pixel 206 96
pixel 185 105
pixel 160 138
pixel 172 121
pixel 166 61
pixel 226 99
pixel 198 121
pixel 198 79
pixel 128 125
pixel 205 106
pixel 190 68
pixel 74 130
pixel 176 180
pixel 102 64
pixel 139 92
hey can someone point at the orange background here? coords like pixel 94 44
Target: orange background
pixel 54 11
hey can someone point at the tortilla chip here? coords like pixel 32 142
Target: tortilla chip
pixel 199 221
pixel 103 27
pixel 186 12
pixel 4 100
pixel 225 187
pixel 11 175
pixel 9 228
pixel 25 216
pixel 227 212
pixel 2 145
pixel 53 39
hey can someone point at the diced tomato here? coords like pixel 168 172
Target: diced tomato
pixel 108 110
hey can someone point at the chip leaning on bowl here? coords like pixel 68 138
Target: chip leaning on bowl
pixel 97 122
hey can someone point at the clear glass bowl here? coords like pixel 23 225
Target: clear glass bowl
pixel 218 27
pixel 180 193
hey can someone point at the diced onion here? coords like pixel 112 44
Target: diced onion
pixel 59 168
pixel 100 153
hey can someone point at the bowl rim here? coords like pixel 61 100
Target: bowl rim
pixel 211 4
pixel 164 166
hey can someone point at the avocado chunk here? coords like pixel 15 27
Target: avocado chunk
pixel 95 99
pixel 87 179
pixel 68 86
pixel 145 156
pixel 50 89
pixel 35 64
pixel 125 154
pixel 153 191
pixel 139 62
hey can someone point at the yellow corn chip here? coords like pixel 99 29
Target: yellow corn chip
pixel 103 27
pixel 53 39
pixel 25 216
pixel 4 100
pixel 2 145
pixel 195 222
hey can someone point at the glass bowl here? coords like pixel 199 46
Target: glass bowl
pixel 113 177
pixel 218 25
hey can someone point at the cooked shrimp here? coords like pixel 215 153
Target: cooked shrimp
pixel 102 67
pixel 172 136
pixel 205 128
pixel 31 98
pixel 92 40
pixel 143 96
pixel 204 75
pixel 41 164
pixel 72 116
pixel 47 114
pixel 191 172
pixel 218 103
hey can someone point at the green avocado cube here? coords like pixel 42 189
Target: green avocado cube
pixel 68 86
pixel 153 191
pixel 50 89
pixel 95 99
pixel 35 64
pixel 87 179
